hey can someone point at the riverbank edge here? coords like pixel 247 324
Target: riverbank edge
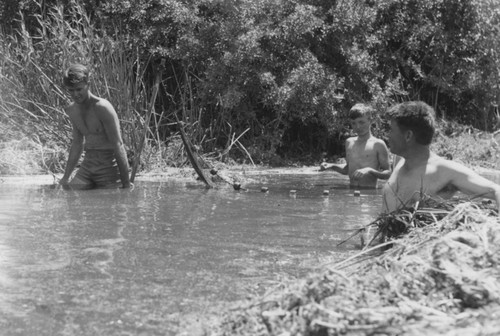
pixel 187 174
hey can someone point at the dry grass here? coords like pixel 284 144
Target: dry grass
pixel 438 279
pixel 33 99
pixel 470 147
pixel 26 157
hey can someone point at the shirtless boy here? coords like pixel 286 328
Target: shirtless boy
pixel 96 130
pixel 420 170
pixel 367 157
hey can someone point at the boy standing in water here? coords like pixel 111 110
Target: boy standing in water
pixel 421 172
pixel 96 131
pixel 367 157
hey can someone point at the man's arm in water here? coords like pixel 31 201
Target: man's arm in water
pixel 469 182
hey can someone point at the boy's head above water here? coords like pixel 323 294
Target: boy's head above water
pixel 360 111
pixel 75 74
pixel 360 116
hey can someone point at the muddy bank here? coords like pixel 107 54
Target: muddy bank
pixel 241 173
pixel 186 174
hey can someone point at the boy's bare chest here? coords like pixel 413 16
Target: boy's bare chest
pixel 87 122
pixel 361 152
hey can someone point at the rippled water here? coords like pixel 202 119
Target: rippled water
pixel 152 260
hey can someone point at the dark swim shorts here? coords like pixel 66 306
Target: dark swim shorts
pixel 98 169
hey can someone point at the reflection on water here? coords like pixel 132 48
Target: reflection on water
pixel 114 262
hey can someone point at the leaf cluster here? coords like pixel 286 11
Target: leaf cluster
pixel 287 70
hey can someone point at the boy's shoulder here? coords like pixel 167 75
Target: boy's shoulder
pixel 102 101
pixel 351 139
pixel 376 140
pixel 71 109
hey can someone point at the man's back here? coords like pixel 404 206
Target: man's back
pixel 421 172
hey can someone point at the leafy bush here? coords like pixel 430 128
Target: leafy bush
pixel 279 76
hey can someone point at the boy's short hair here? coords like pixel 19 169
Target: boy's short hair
pixel 76 73
pixel 417 117
pixel 360 110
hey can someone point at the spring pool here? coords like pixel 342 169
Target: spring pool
pixel 158 258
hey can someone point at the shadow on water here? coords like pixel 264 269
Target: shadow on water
pixel 114 262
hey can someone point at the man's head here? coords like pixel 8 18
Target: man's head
pixel 417 117
pixel 360 116
pixel 76 74
pixel 76 81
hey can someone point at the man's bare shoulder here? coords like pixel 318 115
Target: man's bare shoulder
pixel 103 104
pixel 105 108
pixel 72 110
pixel 449 164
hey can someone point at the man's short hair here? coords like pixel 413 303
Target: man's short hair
pixel 417 117
pixel 76 73
pixel 360 110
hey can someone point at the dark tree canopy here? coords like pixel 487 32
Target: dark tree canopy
pixel 285 72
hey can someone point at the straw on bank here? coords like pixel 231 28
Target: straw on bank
pixel 438 279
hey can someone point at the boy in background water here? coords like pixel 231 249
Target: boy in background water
pixel 367 157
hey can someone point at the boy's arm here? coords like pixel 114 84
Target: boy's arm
pixel 471 183
pixel 339 168
pixel 111 124
pixel 74 154
pixel 384 171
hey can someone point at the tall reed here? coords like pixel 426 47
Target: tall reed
pixel 33 98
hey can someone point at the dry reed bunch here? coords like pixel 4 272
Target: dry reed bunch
pixel 439 278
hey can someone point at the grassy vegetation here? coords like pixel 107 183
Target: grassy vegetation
pixel 469 146
pixel 35 132
pixel 23 152
pixel 441 278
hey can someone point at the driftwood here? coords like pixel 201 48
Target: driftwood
pixel 193 157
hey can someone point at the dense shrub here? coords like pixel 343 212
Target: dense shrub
pixel 251 79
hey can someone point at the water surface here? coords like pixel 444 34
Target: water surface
pixel 152 260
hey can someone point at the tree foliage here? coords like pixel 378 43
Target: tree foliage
pixel 283 73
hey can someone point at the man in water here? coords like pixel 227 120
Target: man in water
pixel 367 157
pixel 421 172
pixel 96 130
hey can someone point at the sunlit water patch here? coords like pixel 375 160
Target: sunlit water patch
pixel 115 262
